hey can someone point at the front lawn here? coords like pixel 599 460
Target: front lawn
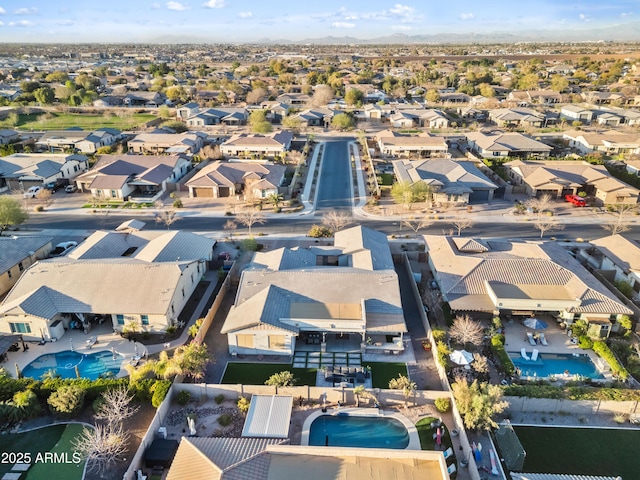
pixel 382 373
pixel 580 451
pixel 258 373
pixel 56 439
pixel 63 121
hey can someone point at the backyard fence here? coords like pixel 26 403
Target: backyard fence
pixel 574 407
pixel 207 320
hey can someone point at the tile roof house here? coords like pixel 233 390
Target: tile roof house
pixel 139 178
pixel 451 181
pixel 501 276
pixel 187 143
pixel 120 275
pixel 78 140
pixel 560 178
pixel 576 113
pixel 276 143
pixel 609 143
pixel 620 254
pixel 516 117
pixel 427 118
pixel 422 145
pixel 18 254
pixel 20 171
pixel 500 144
pixel 8 136
pixel 225 179
pixel 290 295
pixel 193 116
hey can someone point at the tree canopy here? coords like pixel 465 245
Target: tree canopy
pixel 11 213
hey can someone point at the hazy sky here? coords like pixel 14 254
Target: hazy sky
pixel 247 20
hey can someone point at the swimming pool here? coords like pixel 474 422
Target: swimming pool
pixel 344 430
pixel 560 364
pixel 90 365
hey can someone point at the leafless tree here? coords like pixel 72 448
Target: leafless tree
pixel 166 217
pixel 256 96
pixel 618 220
pixel 45 197
pixel 433 300
pixel 250 217
pixel 480 363
pixel 116 406
pixel 231 226
pixel 542 204
pixel 211 151
pixel 466 330
pixel 547 224
pixel 322 95
pixel 417 224
pixel 462 223
pixel 336 221
pixel 102 446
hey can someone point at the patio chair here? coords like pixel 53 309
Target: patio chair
pixel 524 355
pixel 543 340
pixel 448 452
pixel 532 340
pixel 451 469
pixel 534 355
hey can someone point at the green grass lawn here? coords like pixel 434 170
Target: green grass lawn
pixel 258 373
pixel 382 373
pixel 427 442
pixel 581 451
pixel 387 178
pixel 56 439
pixel 62 121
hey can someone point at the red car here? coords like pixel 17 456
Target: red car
pixel 575 200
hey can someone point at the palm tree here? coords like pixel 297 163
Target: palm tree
pixel 275 199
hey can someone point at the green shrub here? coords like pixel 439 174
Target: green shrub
pixel 38 208
pixel 96 405
pixel 225 419
pixel 319 231
pixel 171 329
pixel 497 346
pixel 67 400
pixel 27 404
pixel 243 404
pixel 438 334
pixel 177 203
pixel 603 350
pixel 585 342
pixel 498 340
pixel 442 353
pixel 249 245
pixel 159 389
pixel 183 397
pixel 219 399
pixel 443 404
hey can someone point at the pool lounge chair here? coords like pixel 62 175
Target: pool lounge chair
pixel 448 452
pixel 451 469
pixel 534 355
pixel 523 352
pixel 543 340
pixel 532 340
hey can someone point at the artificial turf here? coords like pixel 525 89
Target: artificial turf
pixel 382 373
pixel 580 451
pixel 258 373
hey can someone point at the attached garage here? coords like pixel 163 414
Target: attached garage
pixel 203 192
pixel 480 196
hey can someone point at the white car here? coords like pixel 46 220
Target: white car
pixel 62 248
pixel 32 192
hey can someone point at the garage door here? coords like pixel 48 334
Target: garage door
pixel 203 192
pixel 479 196
pixel 224 192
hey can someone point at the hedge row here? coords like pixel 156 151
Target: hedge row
pixel 497 346
pixel 603 350
pixel 569 392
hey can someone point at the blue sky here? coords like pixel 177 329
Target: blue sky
pixel 247 20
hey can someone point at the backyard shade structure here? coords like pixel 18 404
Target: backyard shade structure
pixel 461 357
pixel 160 453
pixel 535 324
pixel 268 416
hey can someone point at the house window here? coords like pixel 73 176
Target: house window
pixel 183 293
pixel 20 327
pixel 10 275
pixel 21 267
pixel 244 340
pixel 144 319
pixel 120 319
pixel 114 194
pixel 276 341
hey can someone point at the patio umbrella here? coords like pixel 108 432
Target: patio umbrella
pixel 461 357
pixel 535 324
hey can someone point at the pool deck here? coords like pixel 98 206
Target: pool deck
pixel 77 340
pixel 558 342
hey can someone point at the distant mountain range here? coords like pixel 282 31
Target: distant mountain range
pixel 627 32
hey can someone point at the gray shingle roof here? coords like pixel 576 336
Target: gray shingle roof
pixel 175 246
pixel 15 249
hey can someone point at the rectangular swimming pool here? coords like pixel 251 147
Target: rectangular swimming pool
pixel 560 364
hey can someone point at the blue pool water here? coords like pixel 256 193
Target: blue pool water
pixel 357 431
pixel 556 364
pixel 91 365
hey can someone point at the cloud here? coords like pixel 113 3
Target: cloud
pixel 467 16
pixel 626 14
pixel 343 25
pixel 1 24
pixel 214 4
pixel 25 11
pixel 401 10
pixel 156 6
pixel 245 15
pixel 177 6
pixel 583 17
pixel 2 11
pixel 22 23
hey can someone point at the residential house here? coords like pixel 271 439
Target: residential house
pixel 316 117
pixel 8 136
pixel 226 179
pixel 121 275
pixel 138 178
pixel 560 178
pixel 609 143
pixel 519 278
pixel 451 181
pixel 454 97
pixel 422 145
pixel 79 140
pixel 629 116
pixel 528 97
pixel 576 113
pixel 294 99
pixel 471 114
pixel 620 254
pixel 247 144
pixel 608 119
pixel 276 111
pixel 324 296
pixel 159 143
pixel 428 118
pixel 231 116
pixel 144 99
pixel 517 117
pixel 17 253
pixel 371 93
pixel 500 144
pixel 604 98
pixel 20 171
pixel 633 167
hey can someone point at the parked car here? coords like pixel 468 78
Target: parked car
pixel 32 192
pixel 71 189
pixel 57 185
pixel 62 248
